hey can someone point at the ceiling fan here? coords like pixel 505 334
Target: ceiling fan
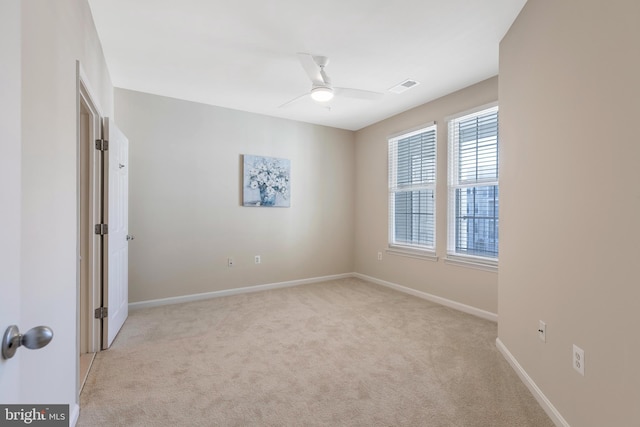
pixel 322 91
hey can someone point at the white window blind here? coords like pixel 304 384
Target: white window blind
pixel 473 185
pixel 412 186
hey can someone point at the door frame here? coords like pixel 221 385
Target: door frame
pixel 11 225
pixel 94 206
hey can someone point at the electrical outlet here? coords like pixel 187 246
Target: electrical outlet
pixel 542 331
pixel 379 256
pixel 229 262
pixel 578 359
pixel 257 259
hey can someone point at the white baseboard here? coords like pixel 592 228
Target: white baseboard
pixel 227 292
pixel 74 413
pixel 433 298
pixel 546 404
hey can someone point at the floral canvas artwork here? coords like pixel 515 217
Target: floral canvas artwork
pixel 266 181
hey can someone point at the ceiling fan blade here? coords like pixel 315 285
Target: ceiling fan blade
pixel 312 69
pixel 357 93
pixel 297 98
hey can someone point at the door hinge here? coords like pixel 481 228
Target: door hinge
pixel 102 229
pixel 102 144
pixel 102 312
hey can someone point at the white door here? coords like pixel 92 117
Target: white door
pixel 10 190
pixel 116 251
pixel 10 252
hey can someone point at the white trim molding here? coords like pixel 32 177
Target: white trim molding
pixel 236 291
pixel 546 404
pixel 472 111
pixel 413 129
pixel 74 413
pixel 412 252
pixel 257 288
pixel 433 298
pixel 472 262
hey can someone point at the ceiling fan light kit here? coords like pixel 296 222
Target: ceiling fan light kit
pixel 321 94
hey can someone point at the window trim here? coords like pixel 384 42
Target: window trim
pixel 412 252
pixel 467 260
pixel 472 261
pixel 468 112
pixel 394 248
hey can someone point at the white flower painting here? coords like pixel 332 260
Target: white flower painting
pixel 266 181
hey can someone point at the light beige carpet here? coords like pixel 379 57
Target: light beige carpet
pixel 339 353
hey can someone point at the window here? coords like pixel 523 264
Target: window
pixel 473 185
pixel 412 187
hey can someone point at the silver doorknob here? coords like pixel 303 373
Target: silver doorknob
pixel 130 237
pixel 34 339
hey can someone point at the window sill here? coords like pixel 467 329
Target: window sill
pixel 412 253
pixel 471 262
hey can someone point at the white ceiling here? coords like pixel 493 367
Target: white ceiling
pixel 242 54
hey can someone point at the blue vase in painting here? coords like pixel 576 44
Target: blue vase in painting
pixel 267 198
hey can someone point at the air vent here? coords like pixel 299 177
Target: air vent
pixel 404 86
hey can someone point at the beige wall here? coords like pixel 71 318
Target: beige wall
pixel 55 34
pixel 464 285
pixel 185 198
pixel 570 204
